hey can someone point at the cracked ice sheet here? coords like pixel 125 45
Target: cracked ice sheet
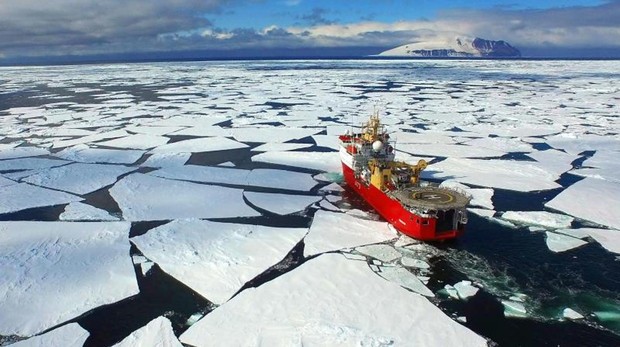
pixel 55 271
pixel 540 218
pixel 403 277
pixel 331 231
pixel 216 259
pixel 139 141
pixel 324 161
pixel 157 332
pixel 70 335
pixel 281 204
pixel 77 211
pixel 30 163
pixel 272 134
pixel 20 152
pixel 79 178
pixel 329 301
pixel 560 243
pixel 85 154
pixel 21 196
pixel 604 165
pixel 276 146
pixel 600 198
pixel 607 238
pixel 504 174
pixel 449 150
pixel 208 144
pixel 144 197
pixel 6 182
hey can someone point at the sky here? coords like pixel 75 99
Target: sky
pixel 138 29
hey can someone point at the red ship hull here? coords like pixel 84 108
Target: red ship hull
pixel 392 211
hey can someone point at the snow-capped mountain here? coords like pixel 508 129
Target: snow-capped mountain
pixel 454 46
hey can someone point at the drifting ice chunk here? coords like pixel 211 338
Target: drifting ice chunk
pixel 167 159
pixel 571 314
pixel 332 187
pixel 157 333
pixel 451 291
pixel 209 144
pixel 281 179
pixel 331 231
pixel 272 134
pixel 505 174
pixel 608 238
pixel 328 161
pixel 140 141
pixel 406 279
pixel 21 196
pixel 417 263
pixel 77 211
pixel 600 195
pixel 465 290
pixel 70 335
pixel 144 197
pixel 482 212
pixel 216 259
pixel 560 243
pixel 514 309
pixel 542 218
pixel 450 151
pixel 268 147
pixel 30 164
pixel 79 178
pixel 207 174
pixel 85 154
pixel 385 253
pixel 292 309
pixel 281 203
pixel 55 271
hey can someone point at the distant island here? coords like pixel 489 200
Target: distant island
pixel 455 46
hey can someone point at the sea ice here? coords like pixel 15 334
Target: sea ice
pixel 216 259
pixel 599 195
pixel 571 314
pixel 332 187
pixel 482 212
pixel 30 164
pixel 385 253
pixel 208 144
pixel 403 277
pixel 20 152
pixel 167 159
pixel 276 146
pixel 514 309
pixel 321 303
pixel 450 150
pixel 6 182
pixel 560 243
pixel 323 161
pixel 85 154
pixel 417 263
pixel 206 174
pixel 480 196
pixel 21 196
pixel 541 218
pixel 331 231
pixel 281 204
pixel 465 290
pixel 327 141
pixel 77 211
pixel 70 335
pixel 451 291
pixel 281 179
pixel 157 332
pixel 505 174
pixel 145 197
pixel 55 271
pixel 79 178
pixel 607 238
pixel 139 141
pixel 272 134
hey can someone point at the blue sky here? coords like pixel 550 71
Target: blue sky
pixel 240 28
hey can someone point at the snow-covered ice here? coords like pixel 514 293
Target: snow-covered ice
pixel 383 252
pixel 79 178
pixel 70 335
pixel 207 144
pixel 403 277
pixel 607 238
pixel 465 290
pixel 417 263
pixel 157 332
pixel 30 163
pixel 276 146
pixel 77 211
pixel 166 159
pixel 281 204
pixel 539 218
pixel 281 179
pixel 323 161
pixel 138 141
pixel 331 231
pixel 145 197
pixel 600 195
pixel 560 243
pixel 55 271
pixel 21 152
pixel 85 154
pixel 216 259
pixel 569 313
pixel 321 303
pixel 21 196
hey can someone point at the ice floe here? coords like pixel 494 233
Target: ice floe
pixel 55 271
pixel 70 335
pixel 571 314
pixel 77 211
pixel 269 147
pixel 85 154
pixel 450 150
pixel 6 182
pixel 384 253
pixel 607 238
pixel 600 195
pixel 465 290
pixel 540 218
pixel 514 309
pixel 331 231
pixel 30 164
pixel 281 179
pixel 79 178
pixel 166 159
pixel 322 303
pixel 21 152
pixel 281 204
pixel 216 259
pixel 208 144
pixel 603 164
pixel 505 174
pixel 323 161
pixel 21 196
pixel 157 332
pixel 404 278
pixel 145 197
pixel 560 243
pixel 272 134
pixel 138 141
pixel 417 263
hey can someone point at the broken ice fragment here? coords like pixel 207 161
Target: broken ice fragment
pixel 384 253
pixel 77 211
pixel 514 309
pixel 560 243
pixel 70 335
pixel 465 290
pixel 571 314
pixel 157 332
pixel 281 204
pixel 208 144
pixel 324 161
pixel 406 279
pixel 85 154
pixel 417 263
pixel 541 218
pixel 21 196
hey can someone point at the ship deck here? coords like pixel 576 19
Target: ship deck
pixel 430 198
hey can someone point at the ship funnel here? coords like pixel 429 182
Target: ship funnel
pixel 377 146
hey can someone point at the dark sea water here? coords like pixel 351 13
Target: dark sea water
pixel 503 260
